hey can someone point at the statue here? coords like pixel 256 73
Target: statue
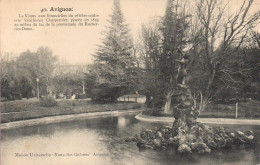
pixel 185 112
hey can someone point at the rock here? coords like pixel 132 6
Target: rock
pixel 171 140
pixel 242 138
pixel 184 148
pixel 250 132
pixel 165 131
pixel 141 144
pixel 232 134
pixel 200 147
pixel 212 144
pixel 157 143
pixel 229 141
pixel 148 146
pixel 168 127
pixel 128 139
pixel 220 141
pixel 147 134
pixel 163 147
pixel 132 139
pixel 251 137
pixel 159 134
pixel 247 139
pixel 240 133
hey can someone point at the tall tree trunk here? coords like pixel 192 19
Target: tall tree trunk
pixel 167 106
pixel 205 100
pixel 148 100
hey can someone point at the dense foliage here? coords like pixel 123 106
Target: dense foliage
pixel 18 75
pixel 114 70
pixel 68 80
pixel 48 101
pixel 223 53
pixel 163 43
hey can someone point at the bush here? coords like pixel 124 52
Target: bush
pixel 48 101
pixel 105 83
pixel 81 96
pixel 104 93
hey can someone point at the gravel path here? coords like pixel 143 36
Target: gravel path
pixel 202 120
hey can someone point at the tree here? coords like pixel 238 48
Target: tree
pixel 114 60
pixel 32 65
pixel 9 77
pixel 213 66
pixel 68 80
pixel 174 30
pixel 150 51
pixel 254 41
pixel 187 135
pixel 244 75
pixel 162 45
pixel 46 64
pixel 223 35
pixel 18 75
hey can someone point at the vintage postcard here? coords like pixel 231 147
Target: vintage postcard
pixel 89 82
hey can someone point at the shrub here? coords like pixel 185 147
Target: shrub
pixel 104 93
pixel 48 101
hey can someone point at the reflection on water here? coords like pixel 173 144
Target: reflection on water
pixel 101 141
pixel 122 122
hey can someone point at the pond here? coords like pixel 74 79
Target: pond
pixel 101 141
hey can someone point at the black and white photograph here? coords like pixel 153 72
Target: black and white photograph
pixel 130 82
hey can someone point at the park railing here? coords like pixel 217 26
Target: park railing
pixel 132 98
pixel 247 109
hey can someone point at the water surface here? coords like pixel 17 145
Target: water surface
pixel 101 141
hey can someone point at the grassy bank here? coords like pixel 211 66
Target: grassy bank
pixel 30 109
pixel 248 109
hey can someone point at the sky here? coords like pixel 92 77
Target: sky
pixel 74 44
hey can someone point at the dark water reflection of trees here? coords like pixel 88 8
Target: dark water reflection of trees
pixel 107 135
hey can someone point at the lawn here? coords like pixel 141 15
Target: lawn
pixel 248 109
pixel 29 109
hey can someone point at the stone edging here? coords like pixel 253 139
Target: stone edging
pixel 201 120
pixel 62 118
